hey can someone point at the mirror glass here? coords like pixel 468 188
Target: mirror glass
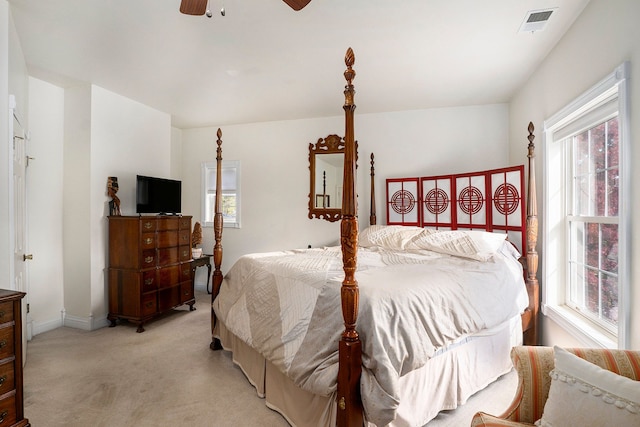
pixel 326 167
pixel 329 171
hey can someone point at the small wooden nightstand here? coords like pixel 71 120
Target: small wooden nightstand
pixel 205 259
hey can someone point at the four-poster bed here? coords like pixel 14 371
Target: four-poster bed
pixel 280 313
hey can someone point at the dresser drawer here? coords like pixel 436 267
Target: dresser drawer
pixel 8 411
pixel 185 237
pixel 185 253
pixel 149 280
pixel 168 276
pixel 186 291
pixel 148 240
pixel 167 238
pixel 149 305
pixel 168 256
pixel 6 342
pixel 6 312
pixel 149 258
pixel 168 298
pixel 185 223
pixel 168 224
pixel 185 271
pixel 147 225
pixel 7 381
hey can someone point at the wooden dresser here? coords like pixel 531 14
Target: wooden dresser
pixel 149 266
pixel 11 385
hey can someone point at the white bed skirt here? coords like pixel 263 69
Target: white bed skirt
pixel 459 371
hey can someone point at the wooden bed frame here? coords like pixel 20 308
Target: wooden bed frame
pixel 350 409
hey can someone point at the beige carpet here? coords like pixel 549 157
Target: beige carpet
pixel 165 376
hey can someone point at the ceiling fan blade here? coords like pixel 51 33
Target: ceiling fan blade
pixel 296 4
pixel 193 7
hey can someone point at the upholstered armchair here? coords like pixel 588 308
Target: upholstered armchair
pixel 533 365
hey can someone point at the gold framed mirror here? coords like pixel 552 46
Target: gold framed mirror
pixel 326 168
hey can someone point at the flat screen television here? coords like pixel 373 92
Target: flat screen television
pixel 158 195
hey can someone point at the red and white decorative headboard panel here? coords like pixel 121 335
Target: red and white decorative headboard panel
pixel 490 200
pixel 507 204
pixel 471 200
pixel 403 201
pixel 438 207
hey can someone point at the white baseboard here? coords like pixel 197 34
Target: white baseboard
pixel 85 323
pixel 41 327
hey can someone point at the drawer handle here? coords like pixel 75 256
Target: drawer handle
pixel 185 253
pixel 148 281
pixel 186 272
pixel 148 259
pixel 150 304
pixel 148 240
pixel 3 379
pixel 3 415
pixel 3 343
pixel 147 225
pixel 1 313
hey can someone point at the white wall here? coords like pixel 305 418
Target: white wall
pixel 13 80
pixel 5 242
pixel 127 138
pixel 76 208
pixel 45 208
pixel 605 35
pixel 275 167
pixel 82 135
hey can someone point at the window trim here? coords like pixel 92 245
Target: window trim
pixel 212 166
pixel 553 304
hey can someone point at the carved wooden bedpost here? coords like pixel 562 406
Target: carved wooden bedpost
pixel 217 231
pixel 372 214
pixel 533 288
pixel 350 348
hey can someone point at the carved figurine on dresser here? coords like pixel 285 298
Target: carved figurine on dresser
pixel 112 189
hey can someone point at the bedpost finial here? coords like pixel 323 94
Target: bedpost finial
pixel 349 60
pixel 531 136
pixel 219 149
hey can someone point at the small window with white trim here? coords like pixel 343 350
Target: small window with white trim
pixel 586 248
pixel 230 193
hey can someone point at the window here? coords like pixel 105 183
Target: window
pixel 586 258
pixel 230 193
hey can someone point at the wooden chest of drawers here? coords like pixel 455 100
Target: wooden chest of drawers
pixel 11 386
pixel 149 266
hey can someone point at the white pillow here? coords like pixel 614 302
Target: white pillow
pixel 487 242
pixel 394 237
pixel 478 245
pixel 584 394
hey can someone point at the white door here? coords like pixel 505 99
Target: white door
pixel 19 137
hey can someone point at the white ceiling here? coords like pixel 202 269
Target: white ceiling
pixel 263 61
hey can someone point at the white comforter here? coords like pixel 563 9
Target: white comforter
pixel 286 305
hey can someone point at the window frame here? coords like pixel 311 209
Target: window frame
pixel 211 167
pixel 556 224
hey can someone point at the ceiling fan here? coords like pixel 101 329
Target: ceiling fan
pixel 199 7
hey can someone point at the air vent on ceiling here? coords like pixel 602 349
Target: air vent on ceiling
pixel 536 20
